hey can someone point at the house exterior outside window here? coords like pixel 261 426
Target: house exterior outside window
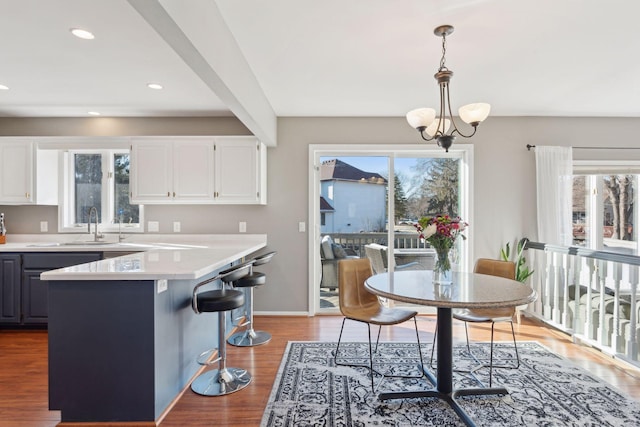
pixel 354 199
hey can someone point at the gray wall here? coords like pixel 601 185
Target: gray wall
pixel 504 181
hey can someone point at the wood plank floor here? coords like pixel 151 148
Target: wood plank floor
pixel 23 368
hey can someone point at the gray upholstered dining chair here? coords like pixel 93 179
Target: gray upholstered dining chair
pixel 358 304
pixel 377 255
pixel 492 267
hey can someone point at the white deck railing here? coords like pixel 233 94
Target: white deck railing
pixel 356 241
pixel 592 295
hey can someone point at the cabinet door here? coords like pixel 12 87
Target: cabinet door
pixel 237 170
pixel 193 171
pixel 151 171
pixel 10 285
pixel 35 292
pixel 16 172
pixel 35 297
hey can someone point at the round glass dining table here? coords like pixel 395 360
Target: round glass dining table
pixel 467 290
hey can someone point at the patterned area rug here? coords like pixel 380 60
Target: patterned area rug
pixel 547 390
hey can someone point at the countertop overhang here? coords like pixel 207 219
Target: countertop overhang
pixel 156 257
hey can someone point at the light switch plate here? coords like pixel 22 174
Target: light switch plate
pixel 176 226
pixel 242 227
pixel 153 226
pixel 44 226
pixel 302 227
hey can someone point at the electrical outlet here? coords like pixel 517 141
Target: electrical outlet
pixel 44 226
pixel 162 285
pixel 242 227
pixel 176 226
pixel 153 226
pixel 302 227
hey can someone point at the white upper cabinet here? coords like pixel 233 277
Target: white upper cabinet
pixel 27 175
pixel 198 170
pixel 193 171
pixel 240 170
pixel 171 171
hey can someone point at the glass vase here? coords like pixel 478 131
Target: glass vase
pixel 442 268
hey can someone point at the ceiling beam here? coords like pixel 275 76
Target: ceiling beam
pixel 197 32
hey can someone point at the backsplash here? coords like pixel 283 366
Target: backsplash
pixel 193 218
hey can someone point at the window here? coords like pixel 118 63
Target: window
pixel 604 211
pixel 363 195
pixel 100 179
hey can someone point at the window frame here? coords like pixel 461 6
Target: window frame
pixel 593 170
pixel 66 204
pixel 463 151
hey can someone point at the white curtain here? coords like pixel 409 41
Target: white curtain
pixel 554 183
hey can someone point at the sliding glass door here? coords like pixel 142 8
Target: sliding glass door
pixel 365 202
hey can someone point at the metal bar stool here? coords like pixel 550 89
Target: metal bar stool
pixel 224 380
pixel 251 337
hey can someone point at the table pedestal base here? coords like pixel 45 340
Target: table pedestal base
pixel 449 398
pixel 444 383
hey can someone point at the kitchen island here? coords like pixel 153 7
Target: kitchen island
pixel 123 339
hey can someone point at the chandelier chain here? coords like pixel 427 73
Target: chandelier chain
pixel 444 52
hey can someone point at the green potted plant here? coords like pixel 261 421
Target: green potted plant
pixel 522 271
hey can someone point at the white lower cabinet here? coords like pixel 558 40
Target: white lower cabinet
pixel 198 170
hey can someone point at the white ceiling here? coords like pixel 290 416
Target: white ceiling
pixel 321 58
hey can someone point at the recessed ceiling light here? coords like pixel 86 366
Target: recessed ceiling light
pixel 93 113
pixel 3 87
pixel 154 86
pixel 82 34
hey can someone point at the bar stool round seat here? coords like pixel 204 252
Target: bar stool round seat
pixel 251 280
pixel 224 380
pixel 220 300
pixel 250 337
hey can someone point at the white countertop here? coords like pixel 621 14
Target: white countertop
pixel 176 256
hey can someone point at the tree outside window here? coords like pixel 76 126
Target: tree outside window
pixel 123 210
pixel 603 212
pixel 435 186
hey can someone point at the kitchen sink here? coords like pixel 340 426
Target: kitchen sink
pixel 87 243
pixel 76 243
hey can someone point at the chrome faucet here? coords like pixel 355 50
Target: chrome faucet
pixel 120 236
pixel 97 236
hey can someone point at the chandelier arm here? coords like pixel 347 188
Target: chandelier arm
pixel 475 128
pixel 453 122
pixel 422 135
pixel 441 119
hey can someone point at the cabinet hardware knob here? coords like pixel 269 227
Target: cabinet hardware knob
pixel 174 194
pixel 168 194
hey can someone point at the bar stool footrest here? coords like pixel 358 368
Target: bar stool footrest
pixel 203 358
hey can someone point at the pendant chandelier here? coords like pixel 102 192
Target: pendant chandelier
pixel 425 120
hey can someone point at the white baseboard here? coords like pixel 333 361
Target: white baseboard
pixel 281 313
